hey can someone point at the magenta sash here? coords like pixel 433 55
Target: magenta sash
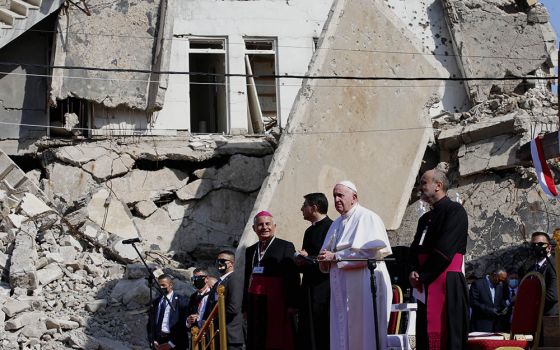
pixel 436 303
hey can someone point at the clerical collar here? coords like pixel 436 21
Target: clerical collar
pixel 350 212
pixel 318 221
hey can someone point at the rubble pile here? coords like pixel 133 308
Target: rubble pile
pixel 59 291
pixel 67 280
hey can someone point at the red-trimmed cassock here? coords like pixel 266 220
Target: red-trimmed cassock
pixel 271 287
pixel 437 254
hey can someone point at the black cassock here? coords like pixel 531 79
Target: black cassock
pixel 269 291
pixel 437 255
pixel 314 326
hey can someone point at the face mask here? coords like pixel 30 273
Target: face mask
pixel 539 251
pixel 165 291
pixel 199 283
pixel 221 265
pixel 513 283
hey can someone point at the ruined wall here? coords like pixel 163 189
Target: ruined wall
pixel 121 35
pixel 191 197
pixel 500 38
pixel 23 89
pixel 498 189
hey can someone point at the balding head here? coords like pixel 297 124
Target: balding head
pixel 433 186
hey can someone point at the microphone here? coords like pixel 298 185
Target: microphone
pixel 132 240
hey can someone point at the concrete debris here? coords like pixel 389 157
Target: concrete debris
pixel 32 206
pixel 139 185
pixel 495 153
pixel 109 165
pixel 195 190
pixel 145 208
pixel 481 30
pixel 71 120
pixel 68 182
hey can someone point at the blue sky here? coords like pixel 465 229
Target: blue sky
pixel 553 7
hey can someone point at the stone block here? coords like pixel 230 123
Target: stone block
pixel 31 205
pixel 70 241
pixel 54 258
pixel 16 220
pixel 24 256
pixel 124 251
pixel 145 208
pixel 127 291
pixel 69 182
pixel 109 165
pixel 21 320
pixel 136 271
pixel 14 307
pixel 96 305
pixel 49 273
pixel 61 324
pixel 453 138
pixel 34 330
pixel 177 209
pixel 195 190
pixel 139 185
pixel 111 214
pixel 158 228
pixel 68 253
pixel 492 154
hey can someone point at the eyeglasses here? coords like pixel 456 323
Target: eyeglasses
pixel 199 277
pixel 540 244
pixel 222 261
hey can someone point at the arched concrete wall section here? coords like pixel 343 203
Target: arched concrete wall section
pixel 371 132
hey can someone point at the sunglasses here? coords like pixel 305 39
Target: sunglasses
pixel 221 261
pixel 199 277
pixel 539 244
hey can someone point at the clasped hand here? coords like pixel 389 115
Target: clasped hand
pixel 326 256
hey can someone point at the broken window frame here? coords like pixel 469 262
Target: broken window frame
pixel 210 41
pixel 274 52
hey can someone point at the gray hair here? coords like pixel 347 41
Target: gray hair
pixel 441 177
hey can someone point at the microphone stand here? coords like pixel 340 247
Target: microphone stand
pixel 151 282
pixel 372 264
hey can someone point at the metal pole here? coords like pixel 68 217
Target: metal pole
pixel 372 264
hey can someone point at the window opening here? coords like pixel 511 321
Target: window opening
pixel 260 62
pixel 208 93
pixel 70 117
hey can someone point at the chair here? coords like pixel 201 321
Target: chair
pixel 526 318
pixel 395 339
pixel 395 317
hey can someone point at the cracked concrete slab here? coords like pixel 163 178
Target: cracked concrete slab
pixel 352 129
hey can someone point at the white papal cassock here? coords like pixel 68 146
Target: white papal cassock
pixel 360 233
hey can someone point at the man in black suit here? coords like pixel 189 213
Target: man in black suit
pixel 544 263
pixel 166 325
pixel 488 302
pixel 198 301
pixel 271 288
pixel 233 297
pixel 313 327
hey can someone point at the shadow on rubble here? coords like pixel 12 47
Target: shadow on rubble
pixel 512 259
pixel 119 314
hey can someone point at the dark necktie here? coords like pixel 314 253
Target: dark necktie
pixel 161 313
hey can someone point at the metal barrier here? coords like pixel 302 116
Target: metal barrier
pixel 205 338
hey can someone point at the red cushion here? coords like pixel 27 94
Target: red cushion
pixel 487 344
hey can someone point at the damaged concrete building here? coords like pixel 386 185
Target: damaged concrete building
pixel 176 120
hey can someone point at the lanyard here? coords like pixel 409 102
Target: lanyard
pixel 258 252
